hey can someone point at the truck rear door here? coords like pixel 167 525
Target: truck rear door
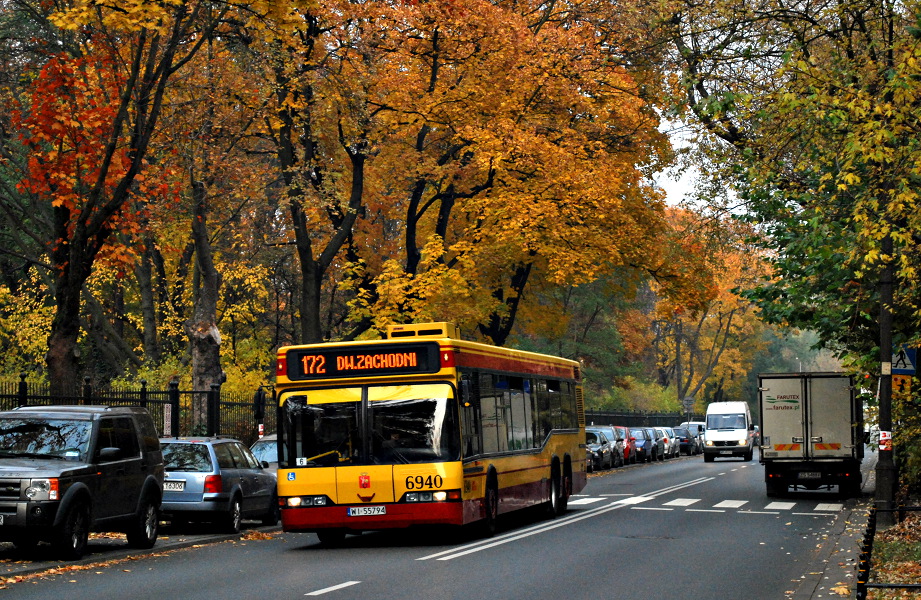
pixel 783 417
pixel 830 416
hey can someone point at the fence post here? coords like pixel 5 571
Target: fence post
pixel 143 393
pixel 214 409
pixel 23 389
pixel 174 407
pixel 259 410
pixel 87 391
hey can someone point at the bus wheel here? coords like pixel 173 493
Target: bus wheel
pixel 565 488
pixel 557 504
pixel 491 500
pixel 331 537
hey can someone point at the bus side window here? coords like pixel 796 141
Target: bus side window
pixel 470 415
pixel 544 412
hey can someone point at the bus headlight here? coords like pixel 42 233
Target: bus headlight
pixel 439 496
pixel 302 501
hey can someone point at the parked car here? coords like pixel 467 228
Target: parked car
pixel 687 443
pixel 645 444
pixel 629 444
pixel 697 429
pixel 599 450
pixel 217 480
pixel 70 470
pixel 658 448
pixel 617 443
pixel 266 449
pixel 672 449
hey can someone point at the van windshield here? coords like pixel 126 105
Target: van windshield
pixel 726 421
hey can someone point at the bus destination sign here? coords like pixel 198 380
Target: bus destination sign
pixel 363 361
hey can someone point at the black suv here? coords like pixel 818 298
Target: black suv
pixel 69 470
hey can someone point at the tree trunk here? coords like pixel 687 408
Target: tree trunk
pixel 144 274
pixel 202 328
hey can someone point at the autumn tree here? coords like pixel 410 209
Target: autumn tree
pixel 816 107
pixel 87 122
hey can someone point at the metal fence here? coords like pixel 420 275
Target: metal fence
pixel 866 553
pixel 236 415
pixel 175 412
pixel 638 418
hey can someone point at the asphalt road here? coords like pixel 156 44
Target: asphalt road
pixel 683 529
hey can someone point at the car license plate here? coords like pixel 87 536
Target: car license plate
pixel 725 451
pixel 173 486
pixel 366 511
pixel 1 519
pixel 809 475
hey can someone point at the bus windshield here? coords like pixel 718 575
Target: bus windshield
pixel 372 425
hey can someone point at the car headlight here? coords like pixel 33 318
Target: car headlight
pixel 743 442
pixel 42 489
pixel 708 443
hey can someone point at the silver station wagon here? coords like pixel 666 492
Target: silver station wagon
pixel 217 480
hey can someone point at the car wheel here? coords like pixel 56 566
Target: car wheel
pixel 143 533
pixel 71 537
pixel 233 520
pixel 271 517
pixel 25 543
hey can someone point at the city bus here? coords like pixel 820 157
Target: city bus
pixel 423 428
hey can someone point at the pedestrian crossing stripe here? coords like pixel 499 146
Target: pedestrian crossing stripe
pixel 721 506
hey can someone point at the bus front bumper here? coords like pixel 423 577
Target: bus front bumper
pixel 371 517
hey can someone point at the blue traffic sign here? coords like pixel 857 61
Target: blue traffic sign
pixel 904 361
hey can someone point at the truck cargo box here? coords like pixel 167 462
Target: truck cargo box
pixel 811 431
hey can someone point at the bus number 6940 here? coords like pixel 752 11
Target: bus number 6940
pixel 419 482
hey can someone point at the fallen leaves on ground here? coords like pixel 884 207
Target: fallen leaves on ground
pixel 907 532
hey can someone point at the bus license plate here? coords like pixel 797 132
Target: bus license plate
pixel 809 475
pixel 367 511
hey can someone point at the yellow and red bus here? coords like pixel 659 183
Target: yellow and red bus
pixel 423 428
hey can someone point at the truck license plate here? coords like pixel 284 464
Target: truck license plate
pixel 366 511
pixel 809 475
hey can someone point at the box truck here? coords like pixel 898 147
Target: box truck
pixel 811 432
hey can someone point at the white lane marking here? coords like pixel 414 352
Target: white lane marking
pixel 585 501
pixel 731 504
pixel 514 536
pixel 705 510
pixel 650 508
pixel 780 506
pixel 682 502
pixel 830 507
pixel 332 588
pixel 758 512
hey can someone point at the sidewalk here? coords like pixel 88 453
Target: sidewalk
pixel 833 571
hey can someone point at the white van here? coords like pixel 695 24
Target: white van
pixel 730 431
